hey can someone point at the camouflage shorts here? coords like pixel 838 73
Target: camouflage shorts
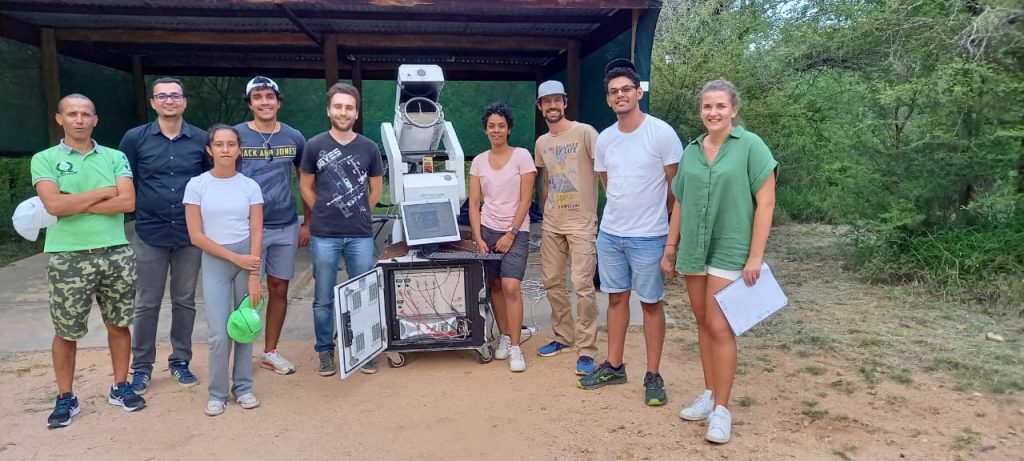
pixel 75 277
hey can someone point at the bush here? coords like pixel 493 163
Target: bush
pixel 983 263
pixel 15 186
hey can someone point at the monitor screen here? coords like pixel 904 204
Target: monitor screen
pixel 430 221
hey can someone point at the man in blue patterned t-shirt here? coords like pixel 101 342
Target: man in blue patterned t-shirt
pixel 271 150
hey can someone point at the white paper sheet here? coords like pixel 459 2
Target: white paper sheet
pixel 745 306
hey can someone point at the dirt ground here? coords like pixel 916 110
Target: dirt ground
pixel 835 375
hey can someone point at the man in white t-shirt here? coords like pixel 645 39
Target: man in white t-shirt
pixel 636 159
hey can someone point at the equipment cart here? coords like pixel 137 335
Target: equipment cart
pixel 410 304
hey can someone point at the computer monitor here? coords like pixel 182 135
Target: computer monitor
pixel 429 221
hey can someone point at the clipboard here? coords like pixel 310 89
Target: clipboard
pixel 745 306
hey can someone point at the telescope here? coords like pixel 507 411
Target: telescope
pixel 425 159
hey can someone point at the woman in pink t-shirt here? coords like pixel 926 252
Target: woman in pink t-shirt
pixel 503 178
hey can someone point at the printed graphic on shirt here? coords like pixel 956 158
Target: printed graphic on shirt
pixel 268 153
pixel 348 178
pixel 561 189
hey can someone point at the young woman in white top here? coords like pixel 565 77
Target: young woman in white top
pixel 224 213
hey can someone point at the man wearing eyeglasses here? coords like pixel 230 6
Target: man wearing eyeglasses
pixel 164 155
pixel 637 158
pixel 270 151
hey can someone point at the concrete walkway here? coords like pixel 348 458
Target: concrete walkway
pixel 27 325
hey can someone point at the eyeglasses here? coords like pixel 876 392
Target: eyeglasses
pixel 172 96
pixel 624 90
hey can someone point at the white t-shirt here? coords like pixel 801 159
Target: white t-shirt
pixel 224 204
pixel 637 188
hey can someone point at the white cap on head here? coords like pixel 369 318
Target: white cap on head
pixel 30 217
pixel 259 82
pixel 550 87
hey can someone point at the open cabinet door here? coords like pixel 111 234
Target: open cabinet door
pixel 360 320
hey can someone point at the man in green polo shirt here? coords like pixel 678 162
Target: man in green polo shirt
pixel 88 188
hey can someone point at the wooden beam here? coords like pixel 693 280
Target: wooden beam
pixel 618 23
pixel 16 30
pixel 184 37
pixel 572 79
pixel 357 81
pixel 331 60
pixel 409 41
pixel 51 81
pixel 299 24
pixel 139 89
pixel 523 16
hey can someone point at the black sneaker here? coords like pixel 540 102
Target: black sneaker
pixel 603 376
pixel 65 409
pixel 125 397
pixel 654 390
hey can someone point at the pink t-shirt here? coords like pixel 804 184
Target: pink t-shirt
pixel 500 188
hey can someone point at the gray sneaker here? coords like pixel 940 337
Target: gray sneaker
pixel 327 367
pixel 369 367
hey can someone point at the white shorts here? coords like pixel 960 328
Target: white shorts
pixel 720 273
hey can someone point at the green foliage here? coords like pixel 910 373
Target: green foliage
pixel 900 118
pixel 15 186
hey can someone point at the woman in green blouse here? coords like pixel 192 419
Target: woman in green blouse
pixel 724 199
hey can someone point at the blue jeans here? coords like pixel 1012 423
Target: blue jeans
pixel 327 253
pixel 626 263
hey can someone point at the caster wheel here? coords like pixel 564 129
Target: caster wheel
pixel 486 354
pixel 396 360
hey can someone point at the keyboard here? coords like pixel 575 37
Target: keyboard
pixel 462 255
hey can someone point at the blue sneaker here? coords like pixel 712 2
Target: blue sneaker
pixel 65 409
pixel 584 365
pixel 550 349
pixel 182 374
pixel 140 381
pixel 123 396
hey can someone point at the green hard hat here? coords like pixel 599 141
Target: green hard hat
pixel 244 324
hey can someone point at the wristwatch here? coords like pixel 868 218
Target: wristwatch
pixel 514 231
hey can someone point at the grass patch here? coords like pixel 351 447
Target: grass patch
pixel 902 376
pixel 996 377
pixel 746 402
pixel 813 411
pixel 966 439
pixel 814 370
pixel 844 386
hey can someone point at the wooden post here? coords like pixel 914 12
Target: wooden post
pixel 632 35
pixel 51 81
pixel 331 60
pixel 357 81
pixel 139 89
pixel 572 77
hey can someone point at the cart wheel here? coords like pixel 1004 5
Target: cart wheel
pixel 396 360
pixel 486 354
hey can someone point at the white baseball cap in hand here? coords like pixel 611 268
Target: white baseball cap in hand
pixel 30 216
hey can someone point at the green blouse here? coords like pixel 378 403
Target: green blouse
pixel 718 200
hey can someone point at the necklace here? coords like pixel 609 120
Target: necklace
pixel 266 139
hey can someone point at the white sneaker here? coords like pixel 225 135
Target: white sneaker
pixel 504 342
pixel 699 409
pixel 516 362
pixel 248 401
pixel 215 407
pixel 719 425
pixel 274 361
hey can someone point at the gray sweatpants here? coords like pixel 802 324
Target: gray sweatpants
pixel 224 286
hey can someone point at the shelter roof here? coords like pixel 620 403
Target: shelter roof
pixel 474 39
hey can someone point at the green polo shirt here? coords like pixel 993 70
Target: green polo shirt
pixel 718 201
pixel 76 172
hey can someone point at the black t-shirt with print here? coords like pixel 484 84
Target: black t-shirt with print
pixel 343 172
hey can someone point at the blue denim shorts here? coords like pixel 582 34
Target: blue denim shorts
pixel 626 263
